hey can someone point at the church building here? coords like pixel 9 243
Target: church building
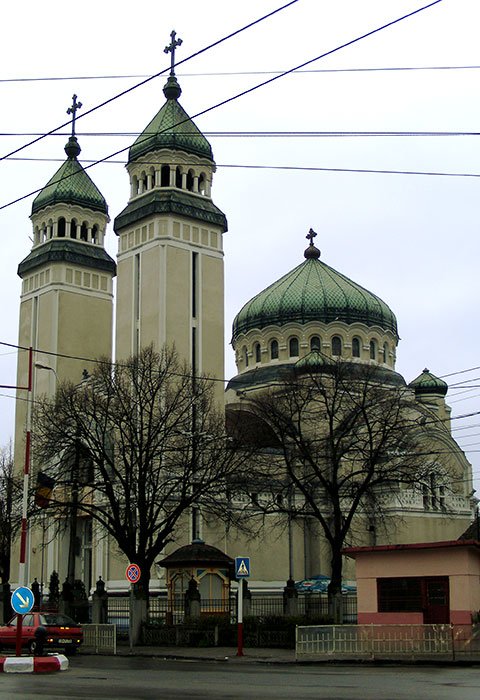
pixel 170 288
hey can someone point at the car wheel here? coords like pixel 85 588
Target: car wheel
pixel 32 645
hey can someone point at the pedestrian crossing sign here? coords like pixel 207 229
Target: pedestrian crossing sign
pixel 242 567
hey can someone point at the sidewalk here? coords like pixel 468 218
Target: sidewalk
pixel 224 654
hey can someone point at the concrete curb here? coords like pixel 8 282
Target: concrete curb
pixel 33 664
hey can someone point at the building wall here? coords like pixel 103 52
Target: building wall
pixel 460 563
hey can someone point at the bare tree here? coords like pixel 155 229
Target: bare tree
pixel 136 446
pixel 346 441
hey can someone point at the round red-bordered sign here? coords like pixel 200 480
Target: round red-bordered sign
pixel 133 573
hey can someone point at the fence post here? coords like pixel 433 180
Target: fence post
pixel 192 600
pixel 100 603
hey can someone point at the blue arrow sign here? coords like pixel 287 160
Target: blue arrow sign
pixel 242 567
pixel 22 600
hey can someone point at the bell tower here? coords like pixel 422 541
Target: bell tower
pixel 66 303
pixel 170 287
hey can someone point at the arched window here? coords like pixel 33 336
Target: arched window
pixel 274 350
pixel 336 345
pixel 202 184
pixel 315 343
pixel 245 356
pixel 95 234
pixel 73 229
pixel 385 352
pixel 373 350
pixel 293 347
pixel 355 347
pixel 165 176
pixel 257 353
pixel 61 227
pixel 190 181
pixel 178 177
pixel 84 232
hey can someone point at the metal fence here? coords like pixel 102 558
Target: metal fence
pixel 450 642
pixel 172 612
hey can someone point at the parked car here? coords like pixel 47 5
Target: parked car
pixel 61 632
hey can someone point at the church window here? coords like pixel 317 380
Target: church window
pixel 61 227
pixel 84 232
pixel 190 181
pixel 95 234
pixel 315 343
pixel 73 229
pixel 257 353
pixel 385 352
pixel 355 347
pixel 373 350
pixel 202 184
pixel 274 350
pixel 293 347
pixel 178 177
pixel 165 176
pixel 336 345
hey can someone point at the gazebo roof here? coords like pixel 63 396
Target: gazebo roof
pixel 197 553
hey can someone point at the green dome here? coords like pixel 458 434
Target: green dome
pixel 171 128
pixel 71 185
pixel 428 383
pixel 313 291
pixel 314 361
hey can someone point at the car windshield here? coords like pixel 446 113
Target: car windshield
pixel 57 620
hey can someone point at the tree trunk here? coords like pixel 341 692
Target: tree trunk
pixel 335 602
pixel 139 595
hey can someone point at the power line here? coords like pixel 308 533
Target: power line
pixel 367 69
pixel 156 75
pixel 259 134
pixel 234 97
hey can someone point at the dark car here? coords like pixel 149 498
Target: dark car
pixel 61 632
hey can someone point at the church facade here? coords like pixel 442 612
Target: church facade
pixel 170 289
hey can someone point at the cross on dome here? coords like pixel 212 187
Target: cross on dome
pixel 312 251
pixel 73 111
pixel 171 49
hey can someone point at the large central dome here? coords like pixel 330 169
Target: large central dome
pixel 313 291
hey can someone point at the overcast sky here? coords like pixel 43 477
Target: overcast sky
pixel 411 239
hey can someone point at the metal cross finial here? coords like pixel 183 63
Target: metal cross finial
pixel 311 235
pixel 73 111
pixel 171 49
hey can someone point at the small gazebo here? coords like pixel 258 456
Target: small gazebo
pixel 210 568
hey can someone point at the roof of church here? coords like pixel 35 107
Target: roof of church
pixel 161 201
pixel 68 250
pixel 171 128
pixel 71 185
pixel 428 383
pixel 314 291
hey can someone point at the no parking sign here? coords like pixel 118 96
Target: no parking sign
pixel 133 573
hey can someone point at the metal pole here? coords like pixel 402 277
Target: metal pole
pixel 26 472
pixel 240 619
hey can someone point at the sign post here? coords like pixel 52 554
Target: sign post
pixel 242 570
pixel 22 600
pixel 132 574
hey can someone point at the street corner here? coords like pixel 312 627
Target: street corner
pixel 33 664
